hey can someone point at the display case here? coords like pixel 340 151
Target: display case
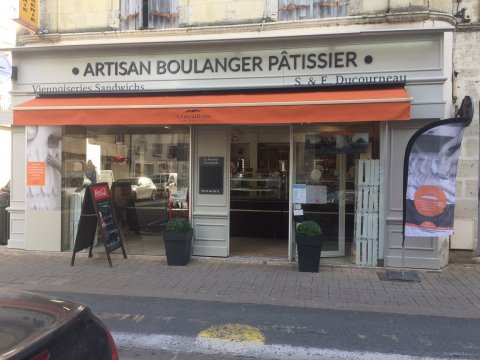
pixel 262 188
pixel 259 206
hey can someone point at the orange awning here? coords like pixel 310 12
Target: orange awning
pixel 248 108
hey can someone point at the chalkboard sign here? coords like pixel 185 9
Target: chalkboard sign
pixel 211 175
pixel 98 208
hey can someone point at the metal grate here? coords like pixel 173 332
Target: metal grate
pixel 382 275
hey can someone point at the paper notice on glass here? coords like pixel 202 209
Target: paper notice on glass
pixel 299 193
pixel 316 194
pixel 297 212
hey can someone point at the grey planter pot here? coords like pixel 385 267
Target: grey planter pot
pixel 309 251
pixel 178 247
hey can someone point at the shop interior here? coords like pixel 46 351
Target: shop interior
pixel 259 160
pixel 325 158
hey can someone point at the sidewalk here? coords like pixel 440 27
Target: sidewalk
pixel 454 291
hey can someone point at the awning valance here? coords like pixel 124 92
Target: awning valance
pixel 249 108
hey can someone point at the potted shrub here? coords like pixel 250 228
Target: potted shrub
pixel 309 240
pixel 178 241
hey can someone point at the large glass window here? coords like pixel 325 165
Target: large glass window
pixel 326 161
pixel 147 169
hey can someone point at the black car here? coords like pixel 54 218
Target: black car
pixel 40 327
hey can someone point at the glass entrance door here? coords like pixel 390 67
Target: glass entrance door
pixel 328 200
pixel 324 174
pixel 259 208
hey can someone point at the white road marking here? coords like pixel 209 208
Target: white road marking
pixel 204 346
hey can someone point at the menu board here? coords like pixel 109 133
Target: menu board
pixel 211 175
pixel 97 208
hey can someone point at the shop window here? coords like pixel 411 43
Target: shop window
pixel 145 168
pixel 311 9
pixel 149 14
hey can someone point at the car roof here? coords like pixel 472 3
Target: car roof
pixel 31 317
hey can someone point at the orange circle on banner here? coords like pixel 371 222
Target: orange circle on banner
pixel 430 200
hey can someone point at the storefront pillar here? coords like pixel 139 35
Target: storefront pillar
pixel 17 236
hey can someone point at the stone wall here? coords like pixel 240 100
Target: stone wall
pixel 66 16
pixel 466 64
pixel 221 12
pixel 472 9
pixel 57 16
pixel 360 7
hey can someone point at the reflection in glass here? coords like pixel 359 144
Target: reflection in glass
pixel 147 169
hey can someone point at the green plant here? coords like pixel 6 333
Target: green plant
pixel 178 225
pixel 309 228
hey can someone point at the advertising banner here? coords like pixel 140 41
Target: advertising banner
pixel 430 177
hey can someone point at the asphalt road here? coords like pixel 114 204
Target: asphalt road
pixel 146 328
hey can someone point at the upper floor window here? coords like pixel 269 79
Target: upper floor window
pixel 311 9
pixel 149 14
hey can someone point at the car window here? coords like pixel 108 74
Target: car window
pixel 19 324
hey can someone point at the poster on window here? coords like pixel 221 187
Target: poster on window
pixel 316 194
pixel 430 177
pixel 44 167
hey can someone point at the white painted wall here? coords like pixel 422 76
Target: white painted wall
pixel 8 10
pixel 5 155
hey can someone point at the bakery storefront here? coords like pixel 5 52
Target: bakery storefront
pixel 242 138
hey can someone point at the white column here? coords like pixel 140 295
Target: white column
pixel 17 237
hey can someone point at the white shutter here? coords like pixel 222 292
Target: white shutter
pixel 366 235
pixel 130 14
pixel 311 9
pixel 163 14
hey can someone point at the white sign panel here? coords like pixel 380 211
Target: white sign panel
pixel 299 194
pixel 354 63
pixel 5 69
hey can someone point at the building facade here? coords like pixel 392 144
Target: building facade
pixel 7 39
pixel 243 116
pixel 466 81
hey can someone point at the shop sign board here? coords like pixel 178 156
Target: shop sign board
pixel 97 208
pixel 211 175
pixel 28 15
pixel 330 63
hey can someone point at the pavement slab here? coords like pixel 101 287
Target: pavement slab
pixel 452 291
